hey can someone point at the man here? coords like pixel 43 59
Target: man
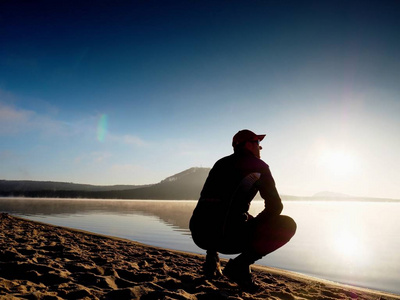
pixel 221 222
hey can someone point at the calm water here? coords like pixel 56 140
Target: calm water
pixel 351 242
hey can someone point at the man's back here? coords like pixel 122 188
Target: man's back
pixel 228 172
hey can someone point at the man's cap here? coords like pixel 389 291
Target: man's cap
pixel 246 135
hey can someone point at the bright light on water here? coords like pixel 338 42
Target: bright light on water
pixel 347 239
pixel 346 245
pixel 349 249
pixel 349 242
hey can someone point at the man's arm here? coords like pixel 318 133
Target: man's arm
pixel 267 188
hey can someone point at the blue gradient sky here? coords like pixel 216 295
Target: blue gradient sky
pixel 130 92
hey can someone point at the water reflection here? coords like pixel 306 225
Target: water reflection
pixel 176 216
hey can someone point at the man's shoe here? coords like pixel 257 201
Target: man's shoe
pixel 241 275
pixel 212 266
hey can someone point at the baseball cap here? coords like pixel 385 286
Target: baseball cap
pixel 246 135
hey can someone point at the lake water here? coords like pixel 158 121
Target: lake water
pixel 350 242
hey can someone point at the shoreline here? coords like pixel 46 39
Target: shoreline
pixel 38 260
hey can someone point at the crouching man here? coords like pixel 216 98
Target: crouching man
pixel 221 222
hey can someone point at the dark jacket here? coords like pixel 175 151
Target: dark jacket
pixel 226 196
pixel 229 172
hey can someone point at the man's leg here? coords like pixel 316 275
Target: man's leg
pixel 212 266
pixel 271 234
pixel 265 237
pixel 239 271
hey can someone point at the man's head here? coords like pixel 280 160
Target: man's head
pixel 246 139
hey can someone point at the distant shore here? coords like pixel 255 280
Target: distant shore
pixel 43 261
pixel 283 197
pixel 186 185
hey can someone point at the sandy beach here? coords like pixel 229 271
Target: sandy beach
pixel 40 261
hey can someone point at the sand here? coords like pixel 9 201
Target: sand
pixel 40 261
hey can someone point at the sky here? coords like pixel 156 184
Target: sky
pixel 131 92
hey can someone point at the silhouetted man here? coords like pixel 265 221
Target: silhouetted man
pixel 221 222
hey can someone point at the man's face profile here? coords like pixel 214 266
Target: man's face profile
pixel 254 147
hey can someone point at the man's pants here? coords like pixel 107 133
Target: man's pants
pixel 258 235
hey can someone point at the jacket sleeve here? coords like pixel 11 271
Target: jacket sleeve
pixel 267 189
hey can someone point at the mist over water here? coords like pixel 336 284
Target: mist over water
pixel 349 242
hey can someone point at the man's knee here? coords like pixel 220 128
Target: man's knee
pixel 273 233
pixel 277 222
pixel 288 224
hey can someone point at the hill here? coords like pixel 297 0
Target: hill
pixel 184 185
pixel 19 186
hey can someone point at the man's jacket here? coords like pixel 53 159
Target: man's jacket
pixel 227 193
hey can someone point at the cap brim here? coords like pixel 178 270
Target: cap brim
pixel 260 137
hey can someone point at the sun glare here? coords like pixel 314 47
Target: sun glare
pixel 338 162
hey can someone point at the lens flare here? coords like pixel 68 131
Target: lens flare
pixel 102 128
